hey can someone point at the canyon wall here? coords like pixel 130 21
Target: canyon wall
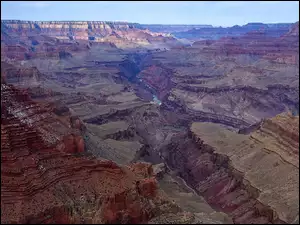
pixel 243 175
pixel 245 78
pixel 89 104
pixel 23 40
pixel 47 178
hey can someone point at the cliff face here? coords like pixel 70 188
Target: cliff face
pixel 66 30
pixel 28 39
pixel 44 182
pixel 243 175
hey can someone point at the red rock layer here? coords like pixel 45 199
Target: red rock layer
pixel 284 49
pixel 42 181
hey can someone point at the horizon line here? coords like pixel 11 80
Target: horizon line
pixel 116 21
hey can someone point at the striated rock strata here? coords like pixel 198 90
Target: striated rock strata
pixel 24 40
pixel 242 79
pixel 254 178
pixel 44 181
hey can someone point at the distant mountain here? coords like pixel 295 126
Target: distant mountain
pixel 164 28
pixel 214 33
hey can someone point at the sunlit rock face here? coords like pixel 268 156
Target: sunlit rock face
pixel 23 40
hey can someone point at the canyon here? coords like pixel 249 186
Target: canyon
pixel 111 122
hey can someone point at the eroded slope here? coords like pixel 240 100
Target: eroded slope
pixel 268 160
pixel 43 182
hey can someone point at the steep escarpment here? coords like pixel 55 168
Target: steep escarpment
pixel 77 30
pixel 23 40
pixel 243 175
pixel 44 182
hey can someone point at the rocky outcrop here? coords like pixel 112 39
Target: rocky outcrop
pixel 42 181
pixel 243 175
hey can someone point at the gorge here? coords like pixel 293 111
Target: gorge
pixel 108 122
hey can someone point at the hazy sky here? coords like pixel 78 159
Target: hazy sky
pixel 216 13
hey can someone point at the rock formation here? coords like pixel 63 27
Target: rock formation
pixel 75 99
pixel 24 40
pixel 254 178
pixel 44 182
pixel 235 77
